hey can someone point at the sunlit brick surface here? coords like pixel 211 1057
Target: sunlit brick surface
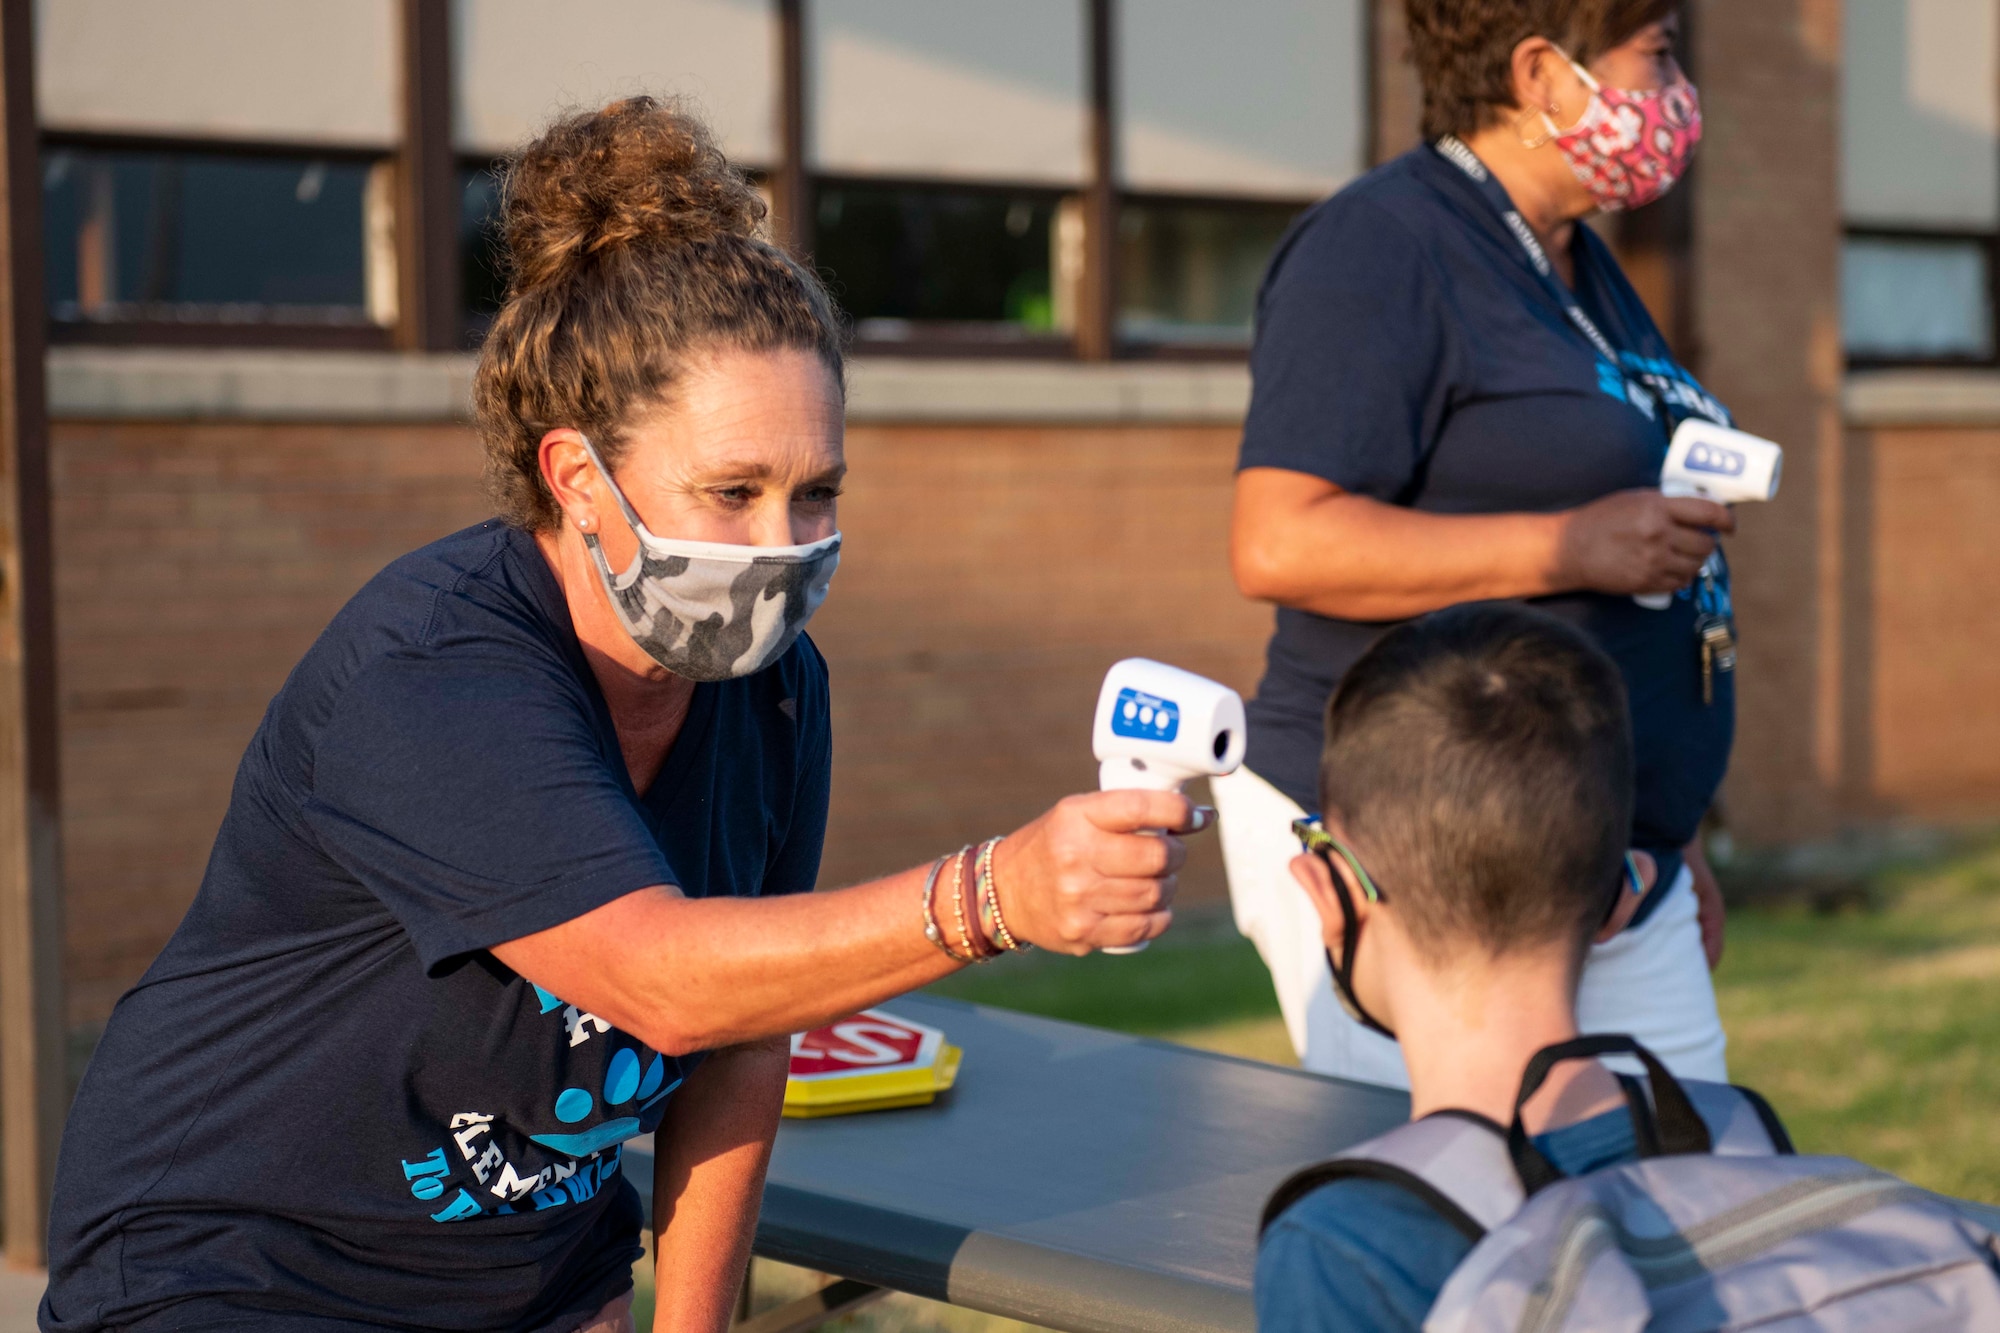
pixel 990 576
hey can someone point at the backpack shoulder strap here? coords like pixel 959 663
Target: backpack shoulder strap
pixel 1455 1161
pixel 1774 1128
pixel 1740 1123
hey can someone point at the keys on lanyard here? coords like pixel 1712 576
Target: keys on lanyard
pixel 1718 651
pixel 1714 630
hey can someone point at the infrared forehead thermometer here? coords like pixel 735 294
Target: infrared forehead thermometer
pixel 1157 726
pixel 1711 462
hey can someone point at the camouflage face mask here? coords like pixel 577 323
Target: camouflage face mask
pixel 712 610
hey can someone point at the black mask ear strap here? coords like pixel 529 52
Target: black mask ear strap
pixel 1343 967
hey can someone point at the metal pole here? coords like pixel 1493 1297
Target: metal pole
pixel 791 182
pixel 1097 312
pixel 429 317
pixel 33 1081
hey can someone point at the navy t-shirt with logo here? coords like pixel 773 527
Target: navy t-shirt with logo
pixel 327 1105
pixel 1408 351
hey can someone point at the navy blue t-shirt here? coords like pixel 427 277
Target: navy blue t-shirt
pixel 1408 351
pixel 1368 1256
pixel 326 1105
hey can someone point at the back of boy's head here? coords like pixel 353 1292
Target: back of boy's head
pixel 1479 760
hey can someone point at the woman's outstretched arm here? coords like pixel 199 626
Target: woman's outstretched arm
pixel 688 974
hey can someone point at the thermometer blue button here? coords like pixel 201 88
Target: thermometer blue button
pixel 1145 716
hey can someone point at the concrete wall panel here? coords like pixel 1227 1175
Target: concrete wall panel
pixel 300 70
pixel 960 89
pixel 520 62
pixel 1254 99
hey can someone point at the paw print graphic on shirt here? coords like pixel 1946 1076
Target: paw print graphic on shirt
pixel 623 1084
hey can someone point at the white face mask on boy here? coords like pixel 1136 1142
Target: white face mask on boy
pixel 712 610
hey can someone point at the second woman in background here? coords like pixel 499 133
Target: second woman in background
pixel 1458 396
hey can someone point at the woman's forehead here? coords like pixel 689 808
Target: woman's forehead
pixel 751 414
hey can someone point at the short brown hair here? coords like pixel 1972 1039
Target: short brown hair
pixel 631 246
pixel 1464 49
pixel 1479 759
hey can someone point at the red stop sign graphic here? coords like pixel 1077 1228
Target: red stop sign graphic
pixel 870 1042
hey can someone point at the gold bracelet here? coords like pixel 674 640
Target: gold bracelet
pixel 931 931
pixel 989 901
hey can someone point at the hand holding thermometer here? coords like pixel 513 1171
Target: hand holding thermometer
pixel 1711 462
pixel 1157 726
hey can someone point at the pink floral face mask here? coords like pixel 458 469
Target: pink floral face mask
pixel 1628 148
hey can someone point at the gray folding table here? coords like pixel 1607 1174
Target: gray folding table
pixel 1074 1178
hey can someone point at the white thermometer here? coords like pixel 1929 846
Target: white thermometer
pixel 1157 726
pixel 1711 462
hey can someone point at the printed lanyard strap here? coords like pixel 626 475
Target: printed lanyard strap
pixel 1712 593
pixel 1453 150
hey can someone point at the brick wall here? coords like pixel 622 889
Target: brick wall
pixel 194 565
pixel 990 577
pixel 1927 661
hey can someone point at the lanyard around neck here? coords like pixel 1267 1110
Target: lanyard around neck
pixel 1453 150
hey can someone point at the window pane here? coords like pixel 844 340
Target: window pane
pixel 1916 299
pixel 900 256
pixel 190 236
pixel 1189 272
pixel 482 272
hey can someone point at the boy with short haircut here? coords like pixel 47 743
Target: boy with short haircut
pixel 1477 786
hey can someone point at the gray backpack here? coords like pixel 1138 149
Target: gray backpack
pixel 1718 1226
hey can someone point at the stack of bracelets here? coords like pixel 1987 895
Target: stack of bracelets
pixel 982 931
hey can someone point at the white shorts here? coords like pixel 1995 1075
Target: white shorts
pixel 1650 982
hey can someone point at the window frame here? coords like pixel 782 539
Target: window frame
pixel 290 334
pixel 796 185
pixel 427 164
pixel 1989 241
pixel 952 340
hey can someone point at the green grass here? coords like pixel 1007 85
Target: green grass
pixel 1200 974
pixel 1874 1030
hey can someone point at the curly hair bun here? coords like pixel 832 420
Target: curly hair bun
pixel 632 248
pixel 641 174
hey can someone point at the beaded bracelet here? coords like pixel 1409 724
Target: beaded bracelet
pixel 973 953
pixel 984 942
pixel 931 931
pixel 989 903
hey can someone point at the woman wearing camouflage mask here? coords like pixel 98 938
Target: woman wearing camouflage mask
pixel 517 865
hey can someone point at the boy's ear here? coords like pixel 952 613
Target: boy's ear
pixel 1316 878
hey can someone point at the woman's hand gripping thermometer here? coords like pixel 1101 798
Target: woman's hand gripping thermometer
pixel 1711 462
pixel 1157 726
